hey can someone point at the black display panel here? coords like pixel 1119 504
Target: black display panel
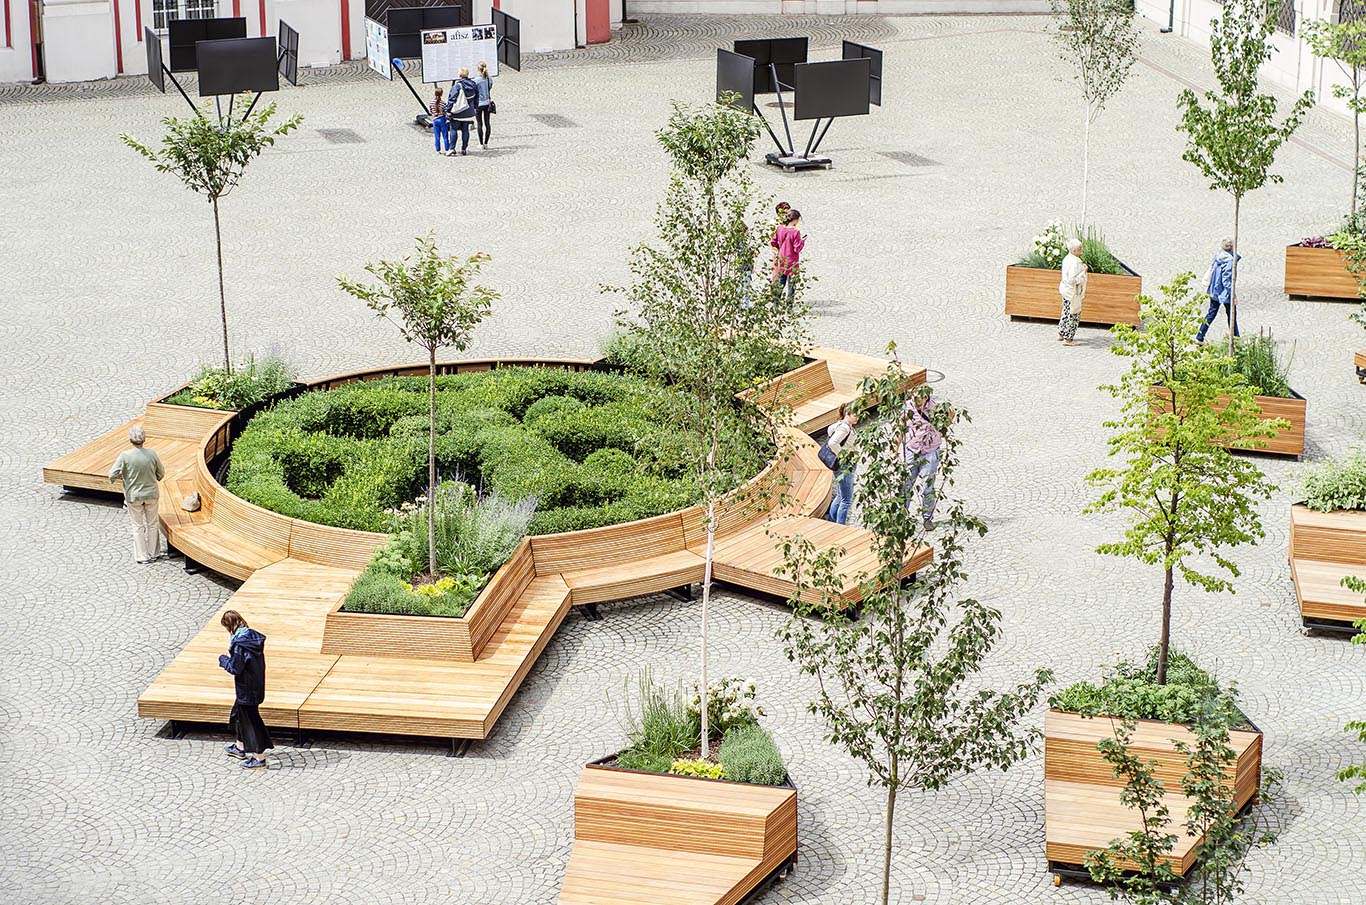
pixel 735 72
pixel 509 39
pixel 155 73
pixel 853 51
pixel 184 34
pixel 235 65
pixel 835 88
pixel 289 53
pixel 407 23
pixel 784 53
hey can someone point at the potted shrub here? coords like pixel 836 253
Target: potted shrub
pixel 660 799
pixel 1328 543
pixel 1111 287
pixel 1259 363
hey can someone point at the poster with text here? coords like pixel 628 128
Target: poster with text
pixel 377 49
pixel 445 51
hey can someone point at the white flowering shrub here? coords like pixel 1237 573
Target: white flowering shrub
pixel 730 702
pixel 1050 246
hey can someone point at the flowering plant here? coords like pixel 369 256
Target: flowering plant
pixel 730 702
pixel 1050 246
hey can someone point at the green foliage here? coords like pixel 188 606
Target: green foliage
pixel 1131 692
pixel 631 759
pixel 1345 44
pixel 748 754
pixel 379 590
pixel 898 687
pixel 697 767
pixel 1143 848
pixel 249 384
pixel 1186 496
pixel 1336 484
pixel 731 703
pixel 659 724
pixel 1356 771
pixel 626 350
pixel 343 456
pixel 1258 360
pixel 1050 247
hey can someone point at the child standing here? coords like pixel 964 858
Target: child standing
pixel 440 135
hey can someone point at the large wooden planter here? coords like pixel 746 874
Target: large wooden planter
pixel 1289 442
pixel 651 837
pixel 1110 299
pixel 1082 810
pixel 1325 547
pixel 1318 273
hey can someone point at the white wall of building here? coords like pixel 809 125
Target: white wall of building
pixel 16 60
pixel 546 24
pixel 78 40
pixel 835 7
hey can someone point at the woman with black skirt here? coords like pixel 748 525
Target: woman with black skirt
pixel 246 662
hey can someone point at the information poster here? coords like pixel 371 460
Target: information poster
pixel 445 51
pixel 377 49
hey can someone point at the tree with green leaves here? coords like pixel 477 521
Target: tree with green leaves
pixel 1356 772
pixel 1345 44
pixel 1100 39
pixel 699 317
pixel 436 304
pixel 210 158
pixel 899 687
pixel 1136 866
pixel 1184 493
pixel 1233 135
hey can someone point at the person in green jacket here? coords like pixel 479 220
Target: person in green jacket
pixel 140 470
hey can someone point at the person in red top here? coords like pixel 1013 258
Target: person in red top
pixel 789 242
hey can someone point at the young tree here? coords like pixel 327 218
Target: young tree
pixel 1184 493
pixel 1345 44
pixel 699 317
pixel 210 157
pixel 435 304
pixel 1100 39
pixel 1356 771
pixel 1234 140
pixel 1135 865
pixel 898 686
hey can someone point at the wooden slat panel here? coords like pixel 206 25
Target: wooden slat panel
pixel 500 596
pixel 1110 299
pixel 312 542
pixel 634 579
pixel 181 422
pixel 1288 442
pixel 1319 273
pixel 604 873
pixel 1081 818
pixel 795 387
pixel 1318 585
pixel 1338 537
pixel 593 547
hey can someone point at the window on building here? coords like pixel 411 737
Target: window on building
pixel 163 11
pixel 1285 17
pixel 1351 10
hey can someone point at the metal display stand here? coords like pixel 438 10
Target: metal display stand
pixel 786 156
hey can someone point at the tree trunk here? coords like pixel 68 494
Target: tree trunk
pixel 222 295
pixel 1233 280
pixel 1356 147
pixel 706 605
pixel 1165 642
pixel 887 834
pixel 1085 166
pixel 431 462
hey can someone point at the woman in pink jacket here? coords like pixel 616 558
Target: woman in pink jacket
pixel 789 242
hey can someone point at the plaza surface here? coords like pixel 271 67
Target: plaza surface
pixel 107 282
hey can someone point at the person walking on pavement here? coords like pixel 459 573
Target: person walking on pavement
pixel 140 469
pixel 1220 290
pixel 483 104
pixel 921 441
pixel 1072 286
pixel 789 242
pixel 839 439
pixel 245 661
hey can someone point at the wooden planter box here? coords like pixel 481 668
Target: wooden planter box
pixel 1110 299
pixel 1360 362
pixel 1325 547
pixel 1082 810
pixel 432 637
pixel 1290 441
pixel 1318 273
pixel 652 837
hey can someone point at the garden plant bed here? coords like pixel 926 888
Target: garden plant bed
pixel 1290 441
pixel 1032 292
pixel 1082 808
pixel 1325 547
pixel 1318 273
pixel 648 837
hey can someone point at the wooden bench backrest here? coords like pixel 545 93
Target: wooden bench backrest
pixel 794 387
pixel 252 523
pixel 329 546
pixel 498 596
pixel 677 814
pixel 182 422
pixel 1328 536
pixel 591 547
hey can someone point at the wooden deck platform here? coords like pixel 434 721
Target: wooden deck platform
pixel 687 841
pixel 1326 547
pixel 456 683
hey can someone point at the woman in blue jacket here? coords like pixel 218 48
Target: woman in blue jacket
pixel 245 661
pixel 483 105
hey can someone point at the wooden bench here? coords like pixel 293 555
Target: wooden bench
pixel 673 840
pixel 1326 547
pixel 1082 810
pixel 619 561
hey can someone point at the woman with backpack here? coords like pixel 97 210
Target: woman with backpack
pixel 483 104
pixel 245 661
pixel 460 109
pixel 838 439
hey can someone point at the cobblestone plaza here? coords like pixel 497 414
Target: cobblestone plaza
pixel 107 280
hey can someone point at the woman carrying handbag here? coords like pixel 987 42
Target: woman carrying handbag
pixel 484 107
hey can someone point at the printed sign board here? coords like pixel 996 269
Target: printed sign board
pixel 445 51
pixel 377 49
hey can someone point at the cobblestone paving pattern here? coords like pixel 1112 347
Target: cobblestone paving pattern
pixel 106 274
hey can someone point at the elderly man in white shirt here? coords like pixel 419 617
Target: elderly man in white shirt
pixel 1073 290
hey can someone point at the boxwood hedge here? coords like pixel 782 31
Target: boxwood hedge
pixel 593 448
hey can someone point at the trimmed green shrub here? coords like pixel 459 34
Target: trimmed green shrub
pixel 1130 692
pixel 248 384
pixel 748 754
pixel 591 448
pixel 1339 484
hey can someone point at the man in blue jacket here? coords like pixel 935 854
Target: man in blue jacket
pixel 1220 289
